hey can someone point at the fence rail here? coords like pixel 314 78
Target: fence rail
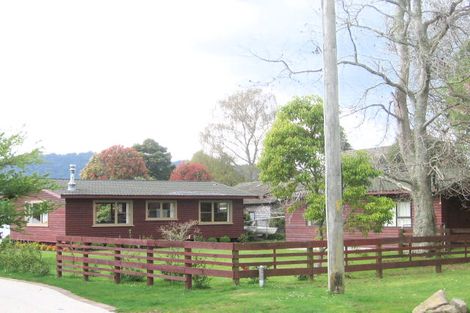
pixel 116 258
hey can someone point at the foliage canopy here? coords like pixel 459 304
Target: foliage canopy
pixel 15 183
pixel 190 171
pixel 221 168
pixel 157 159
pixel 116 162
pixel 292 162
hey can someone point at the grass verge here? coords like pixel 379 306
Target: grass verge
pixel 399 291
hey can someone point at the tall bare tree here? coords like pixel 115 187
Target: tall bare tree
pixel 421 37
pixel 239 129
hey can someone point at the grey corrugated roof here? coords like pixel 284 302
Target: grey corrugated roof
pixel 380 185
pixel 255 187
pixel 263 191
pixel 151 188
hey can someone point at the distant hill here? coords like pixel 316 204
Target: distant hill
pixel 57 165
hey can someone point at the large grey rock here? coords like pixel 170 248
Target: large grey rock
pixel 435 301
pixel 446 308
pixel 460 305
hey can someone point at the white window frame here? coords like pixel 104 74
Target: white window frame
pixel 129 213
pixel 43 218
pixel 395 219
pixel 174 208
pixel 229 214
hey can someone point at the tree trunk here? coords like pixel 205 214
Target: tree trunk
pixel 424 220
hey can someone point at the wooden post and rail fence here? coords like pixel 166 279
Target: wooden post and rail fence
pixel 115 258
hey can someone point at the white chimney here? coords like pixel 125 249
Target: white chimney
pixel 71 185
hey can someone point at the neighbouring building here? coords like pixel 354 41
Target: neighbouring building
pixel 452 211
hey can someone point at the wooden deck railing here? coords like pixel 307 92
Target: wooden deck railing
pixel 179 261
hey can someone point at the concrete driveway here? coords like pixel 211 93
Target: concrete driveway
pixel 19 296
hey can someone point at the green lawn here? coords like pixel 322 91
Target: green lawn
pixel 399 291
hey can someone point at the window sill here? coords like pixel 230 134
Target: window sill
pixel 160 219
pixel 215 223
pixel 37 225
pixel 112 225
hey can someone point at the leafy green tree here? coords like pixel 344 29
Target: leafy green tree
pixel 15 183
pixel 157 159
pixel 292 162
pixel 221 168
pixel 116 162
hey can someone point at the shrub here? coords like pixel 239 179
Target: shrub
pixel 179 231
pixel 198 238
pixel 225 239
pixel 200 281
pixel 23 258
pixel 211 239
pixel 132 278
pixel 246 237
pixel 276 236
pixel 302 277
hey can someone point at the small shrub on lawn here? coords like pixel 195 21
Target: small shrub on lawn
pixel 23 258
pixel 302 277
pixel 200 281
pixel 181 232
pixel 133 278
pixel 211 239
pixel 225 239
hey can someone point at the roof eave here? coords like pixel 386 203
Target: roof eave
pixel 111 196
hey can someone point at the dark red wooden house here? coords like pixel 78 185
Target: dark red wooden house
pixel 451 212
pixel 135 209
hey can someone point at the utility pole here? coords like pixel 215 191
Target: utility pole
pixel 334 206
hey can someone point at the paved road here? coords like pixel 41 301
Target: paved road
pixel 20 297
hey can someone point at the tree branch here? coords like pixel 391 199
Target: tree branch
pixel 286 66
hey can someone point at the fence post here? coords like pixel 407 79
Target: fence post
pixel 85 263
pixel 439 247
pixel 117 264
pixel 59 258
pixel 379 272
pixel 235 265
pixel 149 264
pixel 274 259
pixel 346 256
pixel 410 249
pixel 447 241
pixel 322 253
pixel 310 263
pixel 465 242
pixel 401 236
pixel 188 283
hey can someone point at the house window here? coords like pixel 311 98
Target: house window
pixel 401 215
pixel 215 212
pixel 112 213
pixel 36 219
pixel 161 210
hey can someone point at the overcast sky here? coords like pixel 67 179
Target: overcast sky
pixel 80 76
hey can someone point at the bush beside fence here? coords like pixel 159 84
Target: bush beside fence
pixel 180 260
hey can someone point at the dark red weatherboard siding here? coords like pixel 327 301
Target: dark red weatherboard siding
pixel 79 220
pixel 297 230
pixel 56 222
